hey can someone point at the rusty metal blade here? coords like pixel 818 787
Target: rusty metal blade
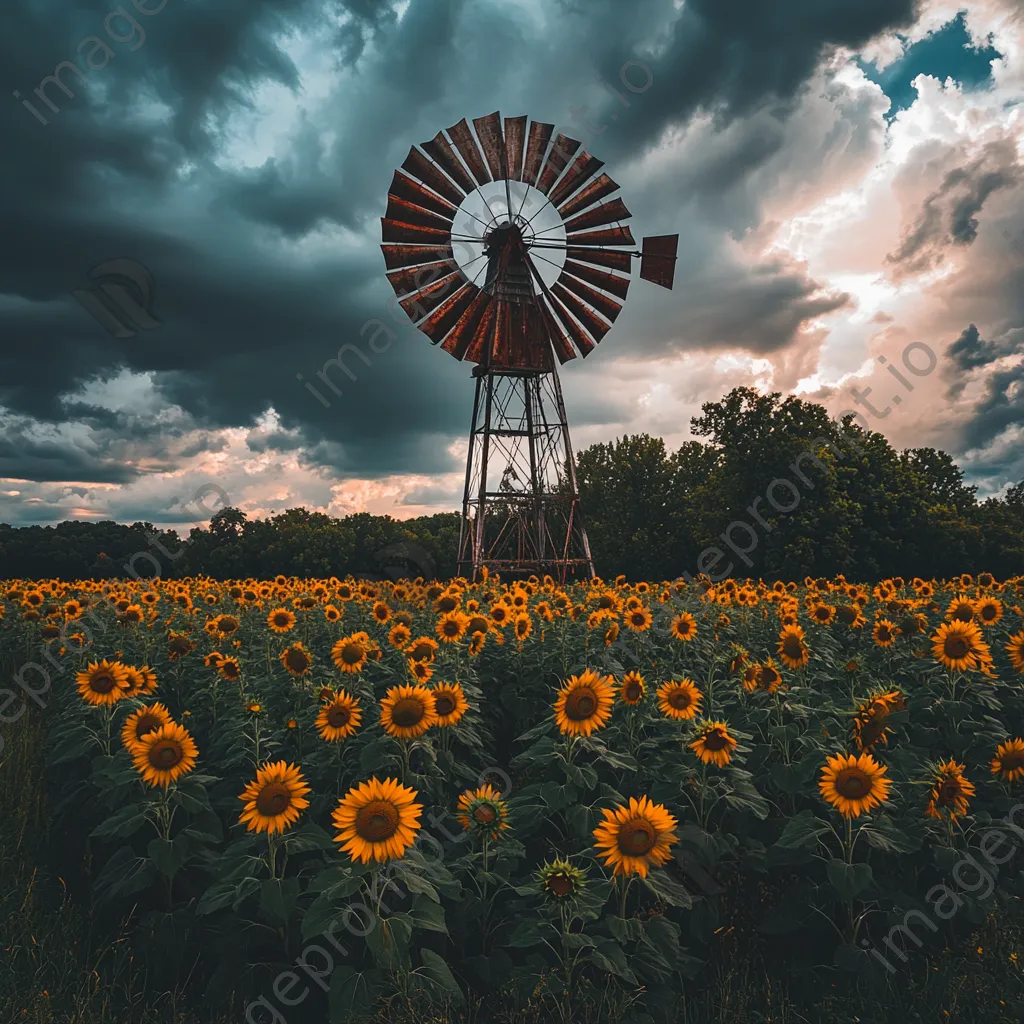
pixel 559 339
pixel 600 278
pixel 446 316
pixel 460 338
pixel 607 213
pixel 575 331
pixel 410 213
pixel 492 142
pixel 404 187
pixel 427 299
pixel 536 146
pixel 398 231
pixel 419 167
pixel 559 155
pixel 586 316
pixel 609 236
pixel 602 257
pixel 659 259
pixel 412 255
pixel 515 141
pixel 481 343
pixel 599 188
pixel 440 151
pixel 608 308
pixel 461 135
pixel 412 279
pixel 583 168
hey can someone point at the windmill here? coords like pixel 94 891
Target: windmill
pixel 506 247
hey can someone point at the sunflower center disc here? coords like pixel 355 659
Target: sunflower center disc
pixel 485 814
pixel 352 654
pixel 949 791
pixel 853 785
pixel 964 614
pixel 559 885
pixel 956 648
pixel 680 700
pixel 337 718
pixel 581 704
pixel 791 647
pixel 165 755
pixel 146 725
pixel 633 691
pixel 103 683
pixel 407 712
pixel 445 705
pixel 273 799
pixel 715 740
pixel 376 821
pixel 636 838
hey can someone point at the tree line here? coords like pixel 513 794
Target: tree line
pixel 773 487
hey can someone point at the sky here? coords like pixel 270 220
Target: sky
pixel 845 175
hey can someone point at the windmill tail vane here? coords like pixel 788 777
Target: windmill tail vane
pixel 505 248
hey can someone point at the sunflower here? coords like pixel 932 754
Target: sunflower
pixel 103 683
pixel 408 711
pixel 1015 650
pixel 714 744
pixel 381 612
pixel 791 647
pixel 296 659
pixel 229 668
pixel 884 633
pixel 274 801
pixel 142 721
pixel 522 626
pixel 638 619
pixel 377 820
pixel 767 677
pixel 584 703
pixel 280 620
pixel 423 649
pixel 132 614
pixel 399 635
pixel 450 703
pixel 483 811
pixel 679 699
pixel 1008 762
pixel 850 615
pixel 683 627
pixel 226 624
pixel 633 688
pixel 870 725
pixel 961 609
pixel 634 838
pixel 349 653
pixel 164 755
pixel 560 880
pixel 420 670
pixel 213 659
pixel 958 644
pixel 854 785
pixel 951 791
pixel 339 717
pixel 451 627
pixel 989 610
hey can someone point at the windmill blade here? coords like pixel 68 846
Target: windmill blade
pixel 583 168
pixel 447 315
pixel 559 339
pixel 607 307
pixel 515 141
pixel 561 151
pixel 440 151
pixel 658 262
pixel 601 257
pixel 599 188
pixel 461 135
pixel 409 213
pixel 461 336
pixel 419 304
pixel 609 236
pixel 607 213
pixel 480 343
pixel 412 255
pixel 404 187
pixel 575 331
pixel 600 278
pixel 536 146
pixel 412 279
pixel 594 325
pixel 492 142
pixel 398 231
pixel 420 167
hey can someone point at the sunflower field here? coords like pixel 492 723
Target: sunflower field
pixel 571 799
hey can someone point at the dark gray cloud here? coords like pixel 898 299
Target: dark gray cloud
pixel 264 271
pixel 968 353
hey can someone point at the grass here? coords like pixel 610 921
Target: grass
pixel 63 965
